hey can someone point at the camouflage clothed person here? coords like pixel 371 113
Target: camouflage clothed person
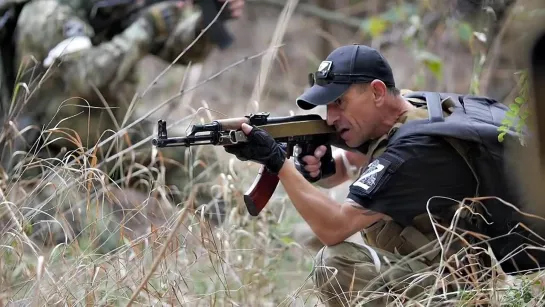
pixel 107 69
pixel 85 81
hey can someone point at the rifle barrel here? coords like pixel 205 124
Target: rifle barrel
pixel 182 141
pixel 225 132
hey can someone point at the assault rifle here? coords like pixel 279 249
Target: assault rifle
pixel 305 131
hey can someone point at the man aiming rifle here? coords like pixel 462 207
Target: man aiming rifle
pixel 427 152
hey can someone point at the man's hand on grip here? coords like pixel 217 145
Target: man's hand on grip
pixel 311 166
pixel 260 148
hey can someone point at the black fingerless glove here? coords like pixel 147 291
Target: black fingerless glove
pixel 327 168
pixel 260 148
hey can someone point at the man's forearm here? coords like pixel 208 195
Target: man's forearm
pixel 320 211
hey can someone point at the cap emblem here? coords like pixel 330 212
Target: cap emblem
pixel 324 68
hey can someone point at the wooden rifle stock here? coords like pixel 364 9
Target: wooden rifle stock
pixel 262 189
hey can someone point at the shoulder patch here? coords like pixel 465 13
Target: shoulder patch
pixel 371 175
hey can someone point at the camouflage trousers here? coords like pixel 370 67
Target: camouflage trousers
pixel 353 274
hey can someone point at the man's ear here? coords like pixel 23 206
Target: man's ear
pixel 378 88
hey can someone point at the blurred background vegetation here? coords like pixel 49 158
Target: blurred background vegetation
pixel 462 46
pixel 453 46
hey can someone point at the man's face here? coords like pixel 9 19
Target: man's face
pixel 355 115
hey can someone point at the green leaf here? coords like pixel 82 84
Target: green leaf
pixel 503 128
pixel 432 62
pixel 376 26
pixel 507 121
pixel 287 240
pixel 465 31
pixel 511 114
pixel 524 115
pixel 436 68
pixel 501 136
pixel 515 108
pixel 519 100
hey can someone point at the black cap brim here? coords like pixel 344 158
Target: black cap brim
pixel 321 95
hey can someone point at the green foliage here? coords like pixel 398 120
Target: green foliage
pixel 415 40
pixel 432 62
pixel 518 111
pixel 522 296
pixel 464 31
pixel 377 25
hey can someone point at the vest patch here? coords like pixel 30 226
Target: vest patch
pixel 372 174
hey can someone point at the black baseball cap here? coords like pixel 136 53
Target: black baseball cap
pixel 344 66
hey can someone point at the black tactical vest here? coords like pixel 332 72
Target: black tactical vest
pixel 472 128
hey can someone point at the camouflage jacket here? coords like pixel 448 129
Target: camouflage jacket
pixel 79 87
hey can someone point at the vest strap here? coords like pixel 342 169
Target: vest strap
pixel 434 105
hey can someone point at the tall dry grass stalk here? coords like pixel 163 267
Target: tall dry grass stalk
pixel 270 57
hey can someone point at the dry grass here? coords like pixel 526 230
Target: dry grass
pixel 147 251
pixel 182 257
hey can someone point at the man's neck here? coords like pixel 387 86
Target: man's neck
pixel 402 107
pixel 399 107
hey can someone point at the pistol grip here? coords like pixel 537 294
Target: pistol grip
pixel 262 189
pixel 328 163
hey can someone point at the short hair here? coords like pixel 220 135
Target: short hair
pixel 392 90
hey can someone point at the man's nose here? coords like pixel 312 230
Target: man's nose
pixel 332 114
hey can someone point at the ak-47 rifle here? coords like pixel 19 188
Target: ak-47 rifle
pixel 305 131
